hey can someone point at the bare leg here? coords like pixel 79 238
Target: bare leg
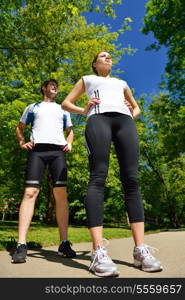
pixel 26 212
pixel 101 264
pixel 97 236
pixel 141 254
pixel 137 232
pixel 62 211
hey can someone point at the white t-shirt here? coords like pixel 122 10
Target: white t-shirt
pixel 111 94
pixel 48 121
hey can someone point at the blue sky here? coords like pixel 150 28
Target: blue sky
pixel 144 69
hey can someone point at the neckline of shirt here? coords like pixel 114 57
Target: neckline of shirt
pixel 104 77
pixel 49 102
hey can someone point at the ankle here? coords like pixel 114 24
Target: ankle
pixel 21 243
pixel 139 245
pixel 63 241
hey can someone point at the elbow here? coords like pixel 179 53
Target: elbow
pixel 138 112
pixel 137 108
pixel 63 105
pixel 17 130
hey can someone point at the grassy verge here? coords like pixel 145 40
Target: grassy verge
pixel 41 235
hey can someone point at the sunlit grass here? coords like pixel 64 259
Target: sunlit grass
pixel 40 235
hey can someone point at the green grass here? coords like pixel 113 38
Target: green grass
pixel 40 235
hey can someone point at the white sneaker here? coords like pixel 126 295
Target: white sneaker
pixel 102 265
pixel 145 260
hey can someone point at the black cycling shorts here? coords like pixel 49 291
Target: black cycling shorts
pixel 43 155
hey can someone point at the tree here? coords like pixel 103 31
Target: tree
pixel 166 19
pixel 44 39
pixel 168 119
pixel 12 158
pixel 163 149
pixel 162 163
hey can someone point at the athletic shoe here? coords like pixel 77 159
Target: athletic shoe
pixel 65 250
pixel 19 255
pixel 145 260
pixel 102 265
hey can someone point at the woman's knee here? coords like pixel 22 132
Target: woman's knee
pixel 130 183
pixel 98 179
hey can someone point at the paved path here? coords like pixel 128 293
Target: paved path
pixel 46 263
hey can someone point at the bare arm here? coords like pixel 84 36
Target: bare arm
pixel 129 97
pixel 70 135
pixel 20 137
pixel 76 92
pixel 69 139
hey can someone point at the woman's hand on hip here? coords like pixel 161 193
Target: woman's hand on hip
pixel 92 102
pixel 136 112
pixel 128 104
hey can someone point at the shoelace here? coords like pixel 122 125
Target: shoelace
pixel 100 254
pixel 145 251
pixel 20 247
pixel 67 245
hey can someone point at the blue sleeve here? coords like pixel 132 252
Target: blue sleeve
pixel 28 115
pixel 67 120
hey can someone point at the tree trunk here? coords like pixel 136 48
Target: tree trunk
pixel 174 221
pixel 3 217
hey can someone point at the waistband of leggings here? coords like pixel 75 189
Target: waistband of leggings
pixel 41 147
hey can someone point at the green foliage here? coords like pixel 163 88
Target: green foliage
pixel 11 158
pixel 41 235
pixel 164 147
pixel 168 119
pixel 166 19
pixel 162 162
pixel 44 39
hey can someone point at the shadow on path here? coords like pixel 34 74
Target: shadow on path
pixel 52 256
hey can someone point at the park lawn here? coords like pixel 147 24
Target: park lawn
pixel 40 235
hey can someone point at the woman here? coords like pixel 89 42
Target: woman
pixel 110 120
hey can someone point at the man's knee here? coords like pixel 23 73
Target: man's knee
pixel 31 193
pixel 60 193
pixel 59 190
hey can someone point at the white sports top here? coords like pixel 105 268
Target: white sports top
pixel 111 94
pixel 48 121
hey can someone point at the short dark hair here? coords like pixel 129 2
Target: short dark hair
pixel 45 84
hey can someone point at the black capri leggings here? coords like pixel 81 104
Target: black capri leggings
pixel 101 130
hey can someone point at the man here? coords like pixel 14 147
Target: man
pixel 47 146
